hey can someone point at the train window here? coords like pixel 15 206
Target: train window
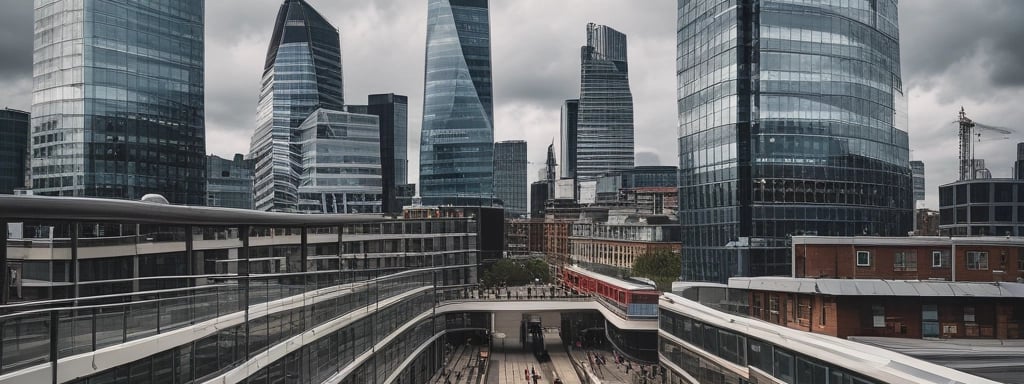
pixel 809 372
pixel 784 366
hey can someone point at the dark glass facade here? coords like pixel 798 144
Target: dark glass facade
pixel 792 120
pixel 982 207
pixel 229 182
pixel 393 113
pixel 302 72
pixel 510 176
pixel 14 139
pixel 538 195
pixel 457 138
pixel 118 95
pixel 650 176
pixel 604 131
pixel 570 115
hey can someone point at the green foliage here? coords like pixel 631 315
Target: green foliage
pixel 662 266
pixel 516 272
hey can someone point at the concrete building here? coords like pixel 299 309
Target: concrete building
pixel 617 243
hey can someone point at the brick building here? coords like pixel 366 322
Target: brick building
pixel 888 308
pixel 983 259
pixel 914 287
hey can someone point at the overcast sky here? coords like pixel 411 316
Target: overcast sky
pixel 955 52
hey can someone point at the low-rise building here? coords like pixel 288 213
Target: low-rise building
pixel 618 242
pixel 979 259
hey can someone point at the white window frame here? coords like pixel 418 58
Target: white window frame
pixel 937 256
pixel 865 253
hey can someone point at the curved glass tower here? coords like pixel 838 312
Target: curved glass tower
pixel 457 139
pixel 792 120
pixel 604 131
pixel 302 73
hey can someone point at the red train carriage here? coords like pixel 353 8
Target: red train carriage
pixel 636 299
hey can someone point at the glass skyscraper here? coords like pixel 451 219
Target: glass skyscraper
pixel 604 132
pixel 917 169
pixel 510 176
pixel 570 114
pixel 393 113
pixel 302 73
pixel 792 121
pixel 341 171
pixel 457 139
pixel 117 103
pixel 13 148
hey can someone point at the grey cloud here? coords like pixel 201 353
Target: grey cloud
pixel 16 60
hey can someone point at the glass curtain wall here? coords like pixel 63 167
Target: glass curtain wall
pixel 792 120
pixel 341 170
pixel 302 72
pixel 117 104
pixel 604 132
pixel 457 139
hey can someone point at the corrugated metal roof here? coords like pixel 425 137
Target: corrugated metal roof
pixel 875 287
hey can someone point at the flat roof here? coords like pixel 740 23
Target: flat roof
pixel 936 241
pixel 999 360
pixel 611 280
pixel 878 287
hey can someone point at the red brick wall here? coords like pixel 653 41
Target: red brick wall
pixel 839 261
pixel 853 316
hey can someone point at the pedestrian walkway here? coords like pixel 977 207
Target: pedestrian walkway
pixel 461 367
pixel 601 365
pixel 561 363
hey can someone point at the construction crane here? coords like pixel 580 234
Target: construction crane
pixel 967 127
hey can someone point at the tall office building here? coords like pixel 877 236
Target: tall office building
pixel 302 72
pixel 792 120
pixel 510 176
pixel 14 141
pixel 917 169
pixel 604 132
pixel 229 182
pixel 117 107
pixel 570 113
pixel 457 139
pixel 341 165
pixel 392 112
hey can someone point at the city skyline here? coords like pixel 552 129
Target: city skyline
pixel 527 102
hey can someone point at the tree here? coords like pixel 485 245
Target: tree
pixel 661 265
pixel 516 272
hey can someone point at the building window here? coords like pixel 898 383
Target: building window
pixel 863 258
pixel 977 260
pixel 940 259
pixel 821 316
pixel 969 314
pixel 904 261
pixel 878 316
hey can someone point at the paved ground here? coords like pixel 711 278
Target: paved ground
pixel 461 367
pixel 514 366
pixel 609 372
